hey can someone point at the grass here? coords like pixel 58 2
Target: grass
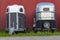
pixel 31 33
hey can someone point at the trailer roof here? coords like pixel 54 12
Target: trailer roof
pixel 45 4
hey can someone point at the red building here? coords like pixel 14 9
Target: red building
pixel 30 6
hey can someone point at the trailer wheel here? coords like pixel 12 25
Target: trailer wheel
pixel 46 25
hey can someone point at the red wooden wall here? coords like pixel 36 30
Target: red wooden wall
pixel 30 6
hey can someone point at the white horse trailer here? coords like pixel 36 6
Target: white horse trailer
pixel 16 18
pixel 45 16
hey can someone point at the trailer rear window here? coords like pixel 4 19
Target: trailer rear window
pixel 7 9
pixel 21 9
pixel 45 9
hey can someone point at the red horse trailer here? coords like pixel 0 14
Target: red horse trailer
pixel 30 6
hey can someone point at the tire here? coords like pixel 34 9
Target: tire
pixel 46 25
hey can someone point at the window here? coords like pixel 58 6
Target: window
pixel 45 9
pixel 21 9
pixel 7 9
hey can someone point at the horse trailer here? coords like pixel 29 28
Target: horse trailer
pixel 45 17
pixel 16 18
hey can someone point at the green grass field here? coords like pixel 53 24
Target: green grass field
pixel 31 33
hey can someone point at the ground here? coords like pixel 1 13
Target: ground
pixel 32 38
